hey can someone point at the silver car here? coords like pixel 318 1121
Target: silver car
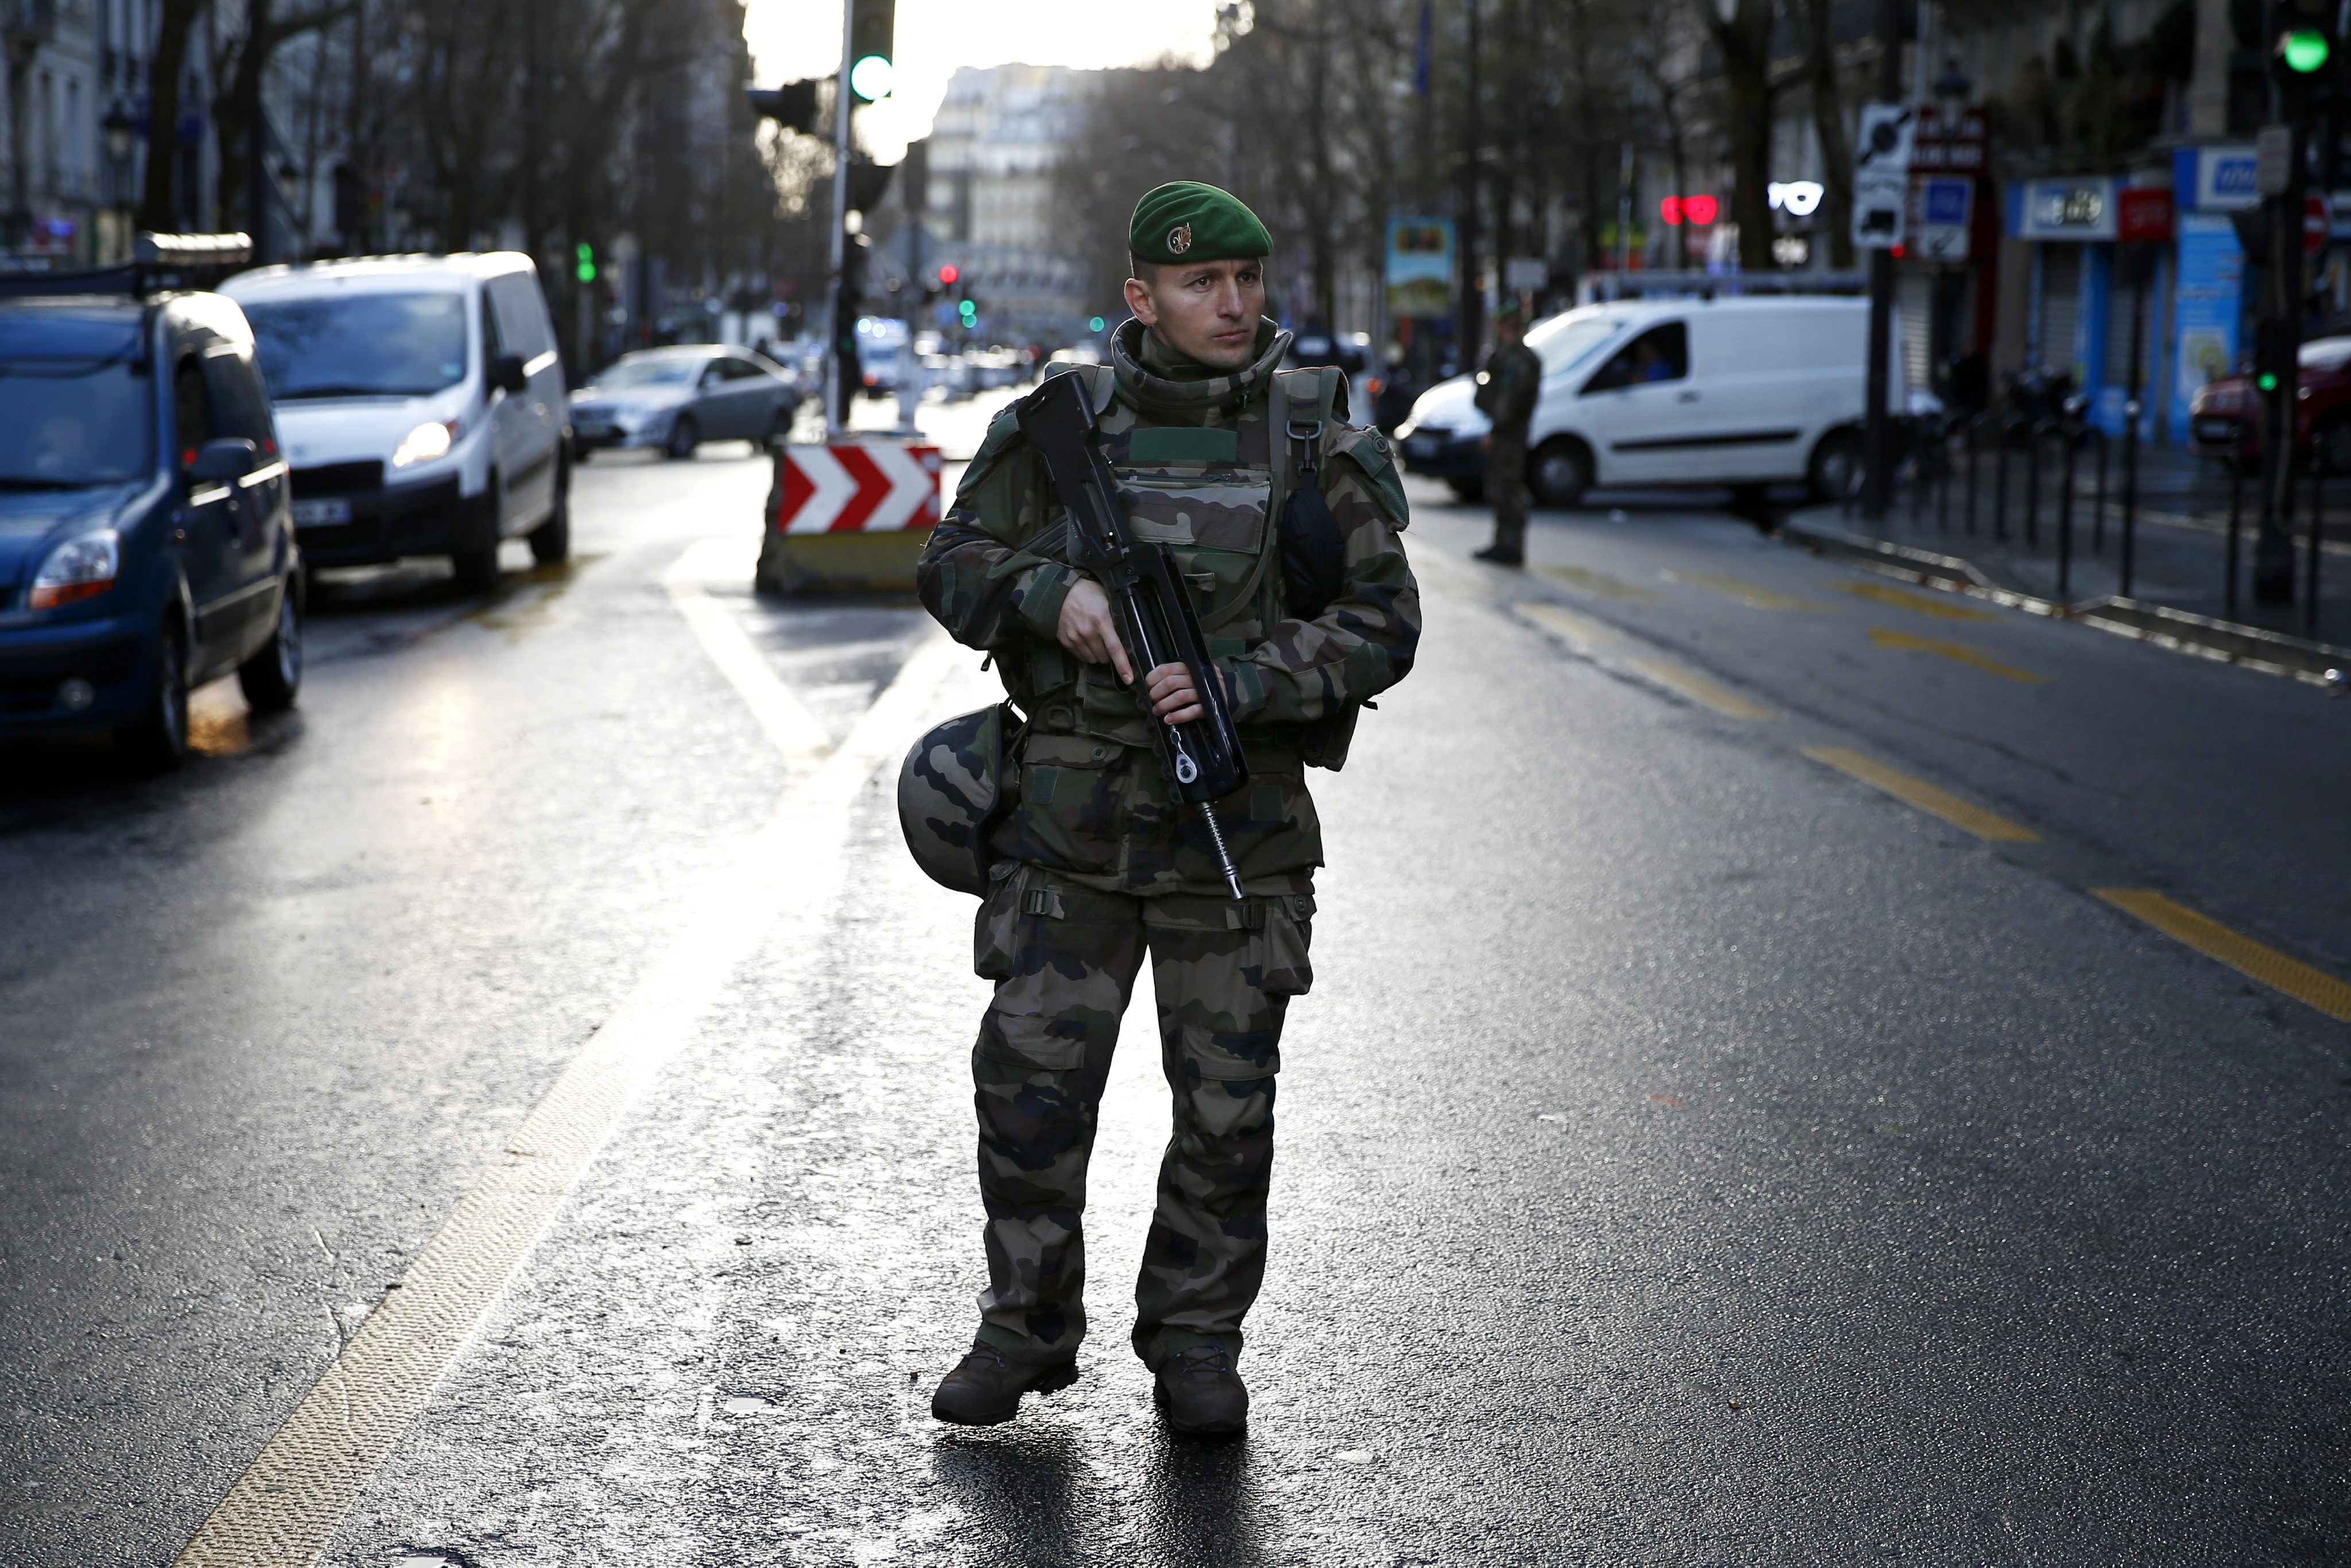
pixel 676 399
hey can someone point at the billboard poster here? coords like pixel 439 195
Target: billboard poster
pixel 2205 309
pixel 1420 267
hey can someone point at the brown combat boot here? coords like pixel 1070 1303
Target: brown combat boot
pixel 1202 1393
pixel 986 1386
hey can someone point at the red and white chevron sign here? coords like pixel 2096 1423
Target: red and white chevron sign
pixel 856 487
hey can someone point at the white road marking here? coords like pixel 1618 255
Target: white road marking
pixel 286 1507
pixel 778 708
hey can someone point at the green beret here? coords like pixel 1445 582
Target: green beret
pixel 1184 220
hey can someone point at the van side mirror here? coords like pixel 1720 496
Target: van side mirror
pixel 507 374
pixel 223 460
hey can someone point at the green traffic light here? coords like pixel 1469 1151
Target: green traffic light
pixel 1094 325
pixel 2266 382
pixel 586 254
pixel 2305 50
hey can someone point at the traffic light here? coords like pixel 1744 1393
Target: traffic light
pixel 583 257
pixel 792 106
pixel 2304 49
pixel 872 26
pixel 948 275
pixel 968 310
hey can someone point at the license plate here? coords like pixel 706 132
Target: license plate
pixel 1422 446
pixel 2216 430
pixel 322 512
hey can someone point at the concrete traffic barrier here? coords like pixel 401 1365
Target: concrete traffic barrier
pixel 849 516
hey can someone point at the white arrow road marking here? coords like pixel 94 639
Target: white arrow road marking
pixel 285 1509
pixel 833 488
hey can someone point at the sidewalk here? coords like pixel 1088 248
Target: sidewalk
pixel 2180 551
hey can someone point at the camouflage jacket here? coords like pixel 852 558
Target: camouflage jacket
pixel 1508 388
pixel 1194 457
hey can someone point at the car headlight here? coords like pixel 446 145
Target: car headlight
pixel 1404 431
pixel 629 419
pixel 79 568
pixel 427 441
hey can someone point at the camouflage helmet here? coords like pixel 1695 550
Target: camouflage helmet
pixel 950 794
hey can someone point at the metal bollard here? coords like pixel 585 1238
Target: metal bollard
pixel 2236 517
pixel 2002 435
pixel 1974 450
pixel 2035 434
pixel 2098 513
pixel 2068 434
pixel 1943 477
pixel 2130 491
pixel 2317 538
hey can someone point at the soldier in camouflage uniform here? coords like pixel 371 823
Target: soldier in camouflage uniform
pixel 1097 864
pixel 1506 389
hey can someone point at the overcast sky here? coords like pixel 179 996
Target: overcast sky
pixel 794 39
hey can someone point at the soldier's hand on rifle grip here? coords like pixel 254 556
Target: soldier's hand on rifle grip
pixel 1088 630
pixel 1173 697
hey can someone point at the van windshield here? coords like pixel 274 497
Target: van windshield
pixel 1564 340
pixel 70 425
pixel 361 345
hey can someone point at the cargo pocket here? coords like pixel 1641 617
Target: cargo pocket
pixel 1069 814
pixel 1011 940
pixel 1288 931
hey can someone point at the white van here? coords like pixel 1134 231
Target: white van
pixel 1740 391
pixel 422 405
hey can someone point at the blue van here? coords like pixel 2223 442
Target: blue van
pixel 146 525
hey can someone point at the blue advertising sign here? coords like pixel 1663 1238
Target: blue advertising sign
pixel 2207 304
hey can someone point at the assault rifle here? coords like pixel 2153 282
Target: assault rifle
pixel 1157 619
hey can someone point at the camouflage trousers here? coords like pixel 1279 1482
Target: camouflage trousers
pixel 1506 490
pixel 1064 959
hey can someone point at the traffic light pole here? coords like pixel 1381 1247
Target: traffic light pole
pixel 836 413
pixel 2273 550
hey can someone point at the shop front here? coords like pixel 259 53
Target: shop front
pixel 2208 302
pixel 2080 301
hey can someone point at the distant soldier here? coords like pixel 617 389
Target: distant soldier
pixel 1288 523
pixel 1507 389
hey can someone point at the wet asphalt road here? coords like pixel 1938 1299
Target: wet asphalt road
pixel 1688 1152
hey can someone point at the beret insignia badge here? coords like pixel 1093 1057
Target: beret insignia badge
pixel 1179 239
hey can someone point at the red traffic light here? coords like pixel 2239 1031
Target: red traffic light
pixel 947 275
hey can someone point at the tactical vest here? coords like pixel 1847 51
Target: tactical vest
pixel 1211 493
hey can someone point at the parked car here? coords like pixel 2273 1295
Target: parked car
pixel 2322 411
pixel 422 406
pixel 676 399
pixel 147 543
pixel 1672 392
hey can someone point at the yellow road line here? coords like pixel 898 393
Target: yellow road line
pixel 1557 618
pixel 1922 603
pixel 285 1509
pixel 1958 653
pixel 2243 953
pixel 1754 595
pixel 1917 792
pixel 1601 585
pixel 1698 689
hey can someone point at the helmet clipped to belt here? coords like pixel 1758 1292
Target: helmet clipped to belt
pixel 951 794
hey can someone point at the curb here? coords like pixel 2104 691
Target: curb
pixel 2251 647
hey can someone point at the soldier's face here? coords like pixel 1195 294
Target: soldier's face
pixel 1207 311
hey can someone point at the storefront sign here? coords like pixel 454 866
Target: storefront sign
pixel 2217 179
pixel 2064 210
pixel 2143 214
